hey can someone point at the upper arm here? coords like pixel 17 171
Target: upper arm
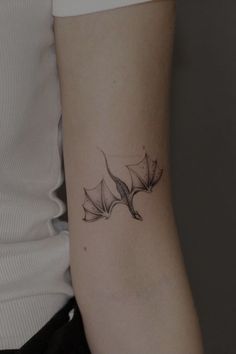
pixel 114 69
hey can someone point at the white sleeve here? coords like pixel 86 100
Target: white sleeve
pixel 79 7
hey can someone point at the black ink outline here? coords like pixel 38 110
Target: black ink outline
pixel 100 201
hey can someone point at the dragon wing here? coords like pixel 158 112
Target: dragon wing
pixel 144 175
pixel 99 202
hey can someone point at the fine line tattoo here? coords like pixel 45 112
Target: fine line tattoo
pixel 100 201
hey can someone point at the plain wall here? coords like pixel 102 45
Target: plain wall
pixel 203 135
pixel 203 139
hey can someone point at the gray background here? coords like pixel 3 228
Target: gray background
pixel 203 139
pixel 203 135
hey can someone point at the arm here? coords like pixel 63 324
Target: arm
pixel 127 273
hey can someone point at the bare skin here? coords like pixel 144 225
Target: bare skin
pixel 128 276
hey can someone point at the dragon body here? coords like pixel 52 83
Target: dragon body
pixel 100 201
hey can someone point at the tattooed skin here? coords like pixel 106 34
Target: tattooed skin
pixel 100 201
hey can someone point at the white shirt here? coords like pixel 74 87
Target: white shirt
pixel 35 278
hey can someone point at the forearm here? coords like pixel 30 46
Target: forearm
pixel 128 274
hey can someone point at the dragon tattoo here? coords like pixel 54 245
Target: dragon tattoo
pixel 100 201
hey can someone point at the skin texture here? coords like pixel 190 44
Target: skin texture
pixel 128 276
